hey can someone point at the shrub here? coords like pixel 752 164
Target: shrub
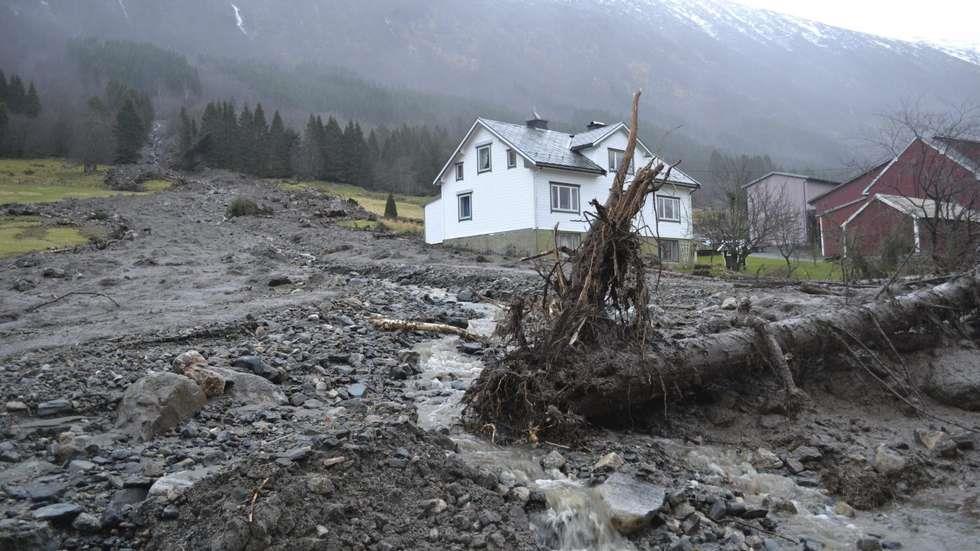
pixel 391 209
pixel 240 206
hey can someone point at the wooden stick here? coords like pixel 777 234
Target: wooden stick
pixel 56 299
pixel 391 324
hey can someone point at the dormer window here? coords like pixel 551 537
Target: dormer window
pixel 459 171
pixel 511 158
pixel 616 160
pixel 483 158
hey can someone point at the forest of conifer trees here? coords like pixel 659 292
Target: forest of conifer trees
pixel 404 159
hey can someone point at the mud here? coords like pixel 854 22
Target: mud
pixel 185 278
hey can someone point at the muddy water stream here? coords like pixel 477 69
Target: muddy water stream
pixel 579 517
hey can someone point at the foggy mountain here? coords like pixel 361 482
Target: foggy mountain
pixel 732 77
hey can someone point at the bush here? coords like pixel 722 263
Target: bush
pixel 391 209
pixel 240 206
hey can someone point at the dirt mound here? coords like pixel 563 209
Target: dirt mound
pixel 382 488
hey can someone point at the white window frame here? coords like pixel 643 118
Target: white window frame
pixel 676 207
pixel 574 197
pixel 459 206
pixel 511 158
pixel 614 160
pixel 479 150
pixel 459 171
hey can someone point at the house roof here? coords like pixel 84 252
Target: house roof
pixel 916 207
pixel 543 147
pixel 859 180
pixel 963 151
pixel 553 149
pixel 791 175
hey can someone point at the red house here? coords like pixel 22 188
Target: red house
pixel 931 187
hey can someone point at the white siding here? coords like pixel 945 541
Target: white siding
pixel 434 220
pixel 502 198
pixel 597 187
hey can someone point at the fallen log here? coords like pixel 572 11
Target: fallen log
pixel 391 324
pixel 608 381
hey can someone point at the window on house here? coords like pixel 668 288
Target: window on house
pixel 483 158
pixel 465 201
pixel 511 158
pixel 564 198
pixel 459 171
pixel 670 250
pixel 569 240
pixel 616 160
pixel 668 209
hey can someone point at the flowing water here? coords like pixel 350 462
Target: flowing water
pixel 579 517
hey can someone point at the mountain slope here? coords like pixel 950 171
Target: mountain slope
pixel 739 78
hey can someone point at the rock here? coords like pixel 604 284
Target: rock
pixel 16 534
pixel 766 459
pixel 955 380
pixel 38 491
pixel 807 453
pixel 172 485
pixel 53 407
pixel 209 380
pixel 298 454
pixel 869 544
pixel 435 506
pixel 87 523
pixel 794 465
pixel 26 471
pixel 520 494
pixel 188 359
pixel 887 461
pixel 279 280
pixel 254 364
pixel 15 406
pixel 610 461
pixel 930 439
pixel 729 303
pixel 718 510
pixel 58 512
pixel 553 460
pixel 780 505
pixel 843 509
pixel 170 512
pixel 466 295
pixel 356 390
pixel 23 285
pixel 54 273
pixel 632 502
pixel 250 389
pixel 115 511
pixel 157 403
pixel 80 466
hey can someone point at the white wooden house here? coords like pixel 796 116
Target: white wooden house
pixel 506 186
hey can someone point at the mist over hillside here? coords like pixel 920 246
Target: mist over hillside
pixel 714 74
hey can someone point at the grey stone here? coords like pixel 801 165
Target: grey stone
pixel 356 390
pixel 255 365
pixel 16 406
pixel 730 303
pixel 869 544
pixel 17 534
pixel 115 510
pixel 174 484
pixel 26 471
pixel 157 403
pixel 610 461
pixel 53 407
pixel 87 523
pixel 58 512
pixel 250 389
pixel 887 461
pixel 38 491
pixel 553 460
pixel 632 502
pixel 955 380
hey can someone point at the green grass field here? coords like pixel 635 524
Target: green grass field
pixel 47 181
pixel 803 268
pixel 410 207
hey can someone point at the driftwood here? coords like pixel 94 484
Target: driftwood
pixel 391 324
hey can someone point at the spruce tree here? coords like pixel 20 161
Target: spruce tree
pixel 16 95
pixel 3 87
pixel 128 132
pixel 391 209
pixel 32 102
pixel 277 164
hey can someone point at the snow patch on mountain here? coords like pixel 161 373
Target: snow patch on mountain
pixel 122 6
pixel 238 19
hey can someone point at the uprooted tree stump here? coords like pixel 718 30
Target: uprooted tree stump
pixel 584 348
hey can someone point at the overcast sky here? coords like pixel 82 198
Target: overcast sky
pixel 944 21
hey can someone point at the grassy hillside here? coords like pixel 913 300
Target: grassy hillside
pixel 410 207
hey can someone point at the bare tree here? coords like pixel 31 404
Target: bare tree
pixel 935 152
pixel 746 223
pixel 785 226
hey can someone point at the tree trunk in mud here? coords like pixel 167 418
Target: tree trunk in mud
pixel 606 382
pixel 691 362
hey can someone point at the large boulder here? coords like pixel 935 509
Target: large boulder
pixel 632 503
pixel 250 389
pixel 955 379
pixel 157 403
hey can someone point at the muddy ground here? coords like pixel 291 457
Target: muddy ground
pixel 317 443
